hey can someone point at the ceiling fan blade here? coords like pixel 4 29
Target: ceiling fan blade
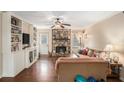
pixel 62 26
pixel 67 24
pixel 53 26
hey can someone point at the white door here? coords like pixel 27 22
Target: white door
pixel 44 43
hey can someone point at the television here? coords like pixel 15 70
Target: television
pixel 26 38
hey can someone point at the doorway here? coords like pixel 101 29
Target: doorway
pixel 44 43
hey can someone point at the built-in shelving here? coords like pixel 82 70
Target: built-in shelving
pixel 34 36
pixel 15 58
pixel 16 34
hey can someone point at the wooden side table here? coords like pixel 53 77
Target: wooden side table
pixel 115 70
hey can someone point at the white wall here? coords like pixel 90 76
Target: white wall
pixel 109 31
pixel 25 27
pixel 0 45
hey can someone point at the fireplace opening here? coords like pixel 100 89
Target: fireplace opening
pixel 60 49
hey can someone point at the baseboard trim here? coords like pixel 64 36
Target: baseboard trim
pixel 122 78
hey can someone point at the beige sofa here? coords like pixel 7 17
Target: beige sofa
pixel 67 68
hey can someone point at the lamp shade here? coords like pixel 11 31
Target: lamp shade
pixel 109 47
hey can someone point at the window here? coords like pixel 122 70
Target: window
pixel 44 39
pixel 75 40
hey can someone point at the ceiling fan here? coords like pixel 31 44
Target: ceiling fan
pixel 59 22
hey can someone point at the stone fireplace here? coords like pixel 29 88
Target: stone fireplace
pixel 61 42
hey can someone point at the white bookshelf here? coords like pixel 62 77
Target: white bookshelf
pixel 16 34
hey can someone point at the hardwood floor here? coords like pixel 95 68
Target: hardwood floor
pixel 41 71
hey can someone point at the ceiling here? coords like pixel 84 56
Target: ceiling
pixel 78 19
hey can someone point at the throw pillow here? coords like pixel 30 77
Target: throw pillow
pixel 90 53
pixel 85 51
